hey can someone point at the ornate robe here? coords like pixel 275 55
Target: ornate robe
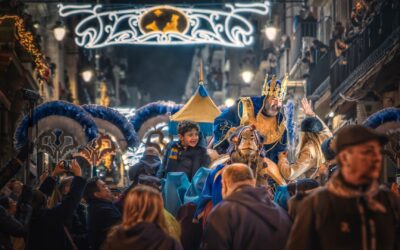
pixel 248 111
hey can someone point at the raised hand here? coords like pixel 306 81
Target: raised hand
pixel 306 106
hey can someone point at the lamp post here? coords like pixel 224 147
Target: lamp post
pixel 247 76
pixel 87 75
pixel 270 32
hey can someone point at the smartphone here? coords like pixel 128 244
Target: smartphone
pixel 66 164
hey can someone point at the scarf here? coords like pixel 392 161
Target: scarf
pixel 337 186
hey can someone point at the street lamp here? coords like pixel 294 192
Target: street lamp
pixel 229 102
pixel 270 32
pixel 59 31
pixel 87 75
pixel 247 76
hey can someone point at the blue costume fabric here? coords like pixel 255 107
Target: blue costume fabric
pixel 212 189
pixel 196 187
pixel 174 188
pixel 230 118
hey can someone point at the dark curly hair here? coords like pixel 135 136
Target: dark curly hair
pixel 186 126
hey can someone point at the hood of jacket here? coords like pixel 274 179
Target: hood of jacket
pixel 256 200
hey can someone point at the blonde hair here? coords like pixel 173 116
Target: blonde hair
pixel 57 194
pixel 143 204
pixel 315 141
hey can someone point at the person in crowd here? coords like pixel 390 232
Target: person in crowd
pixel 309 156
pixel 10 225
pixel 76 224
pixel 329 167
pixel 143 225
pixel 102 213
pixel 185 155
pixel 352 211
pixel 48 225
pixel 148 165
pixel 298 189
pixel 246 218
pixel 13 223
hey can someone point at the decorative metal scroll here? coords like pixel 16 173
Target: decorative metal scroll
pixel 164 25
pixel 57 144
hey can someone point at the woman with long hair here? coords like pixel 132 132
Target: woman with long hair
pixel 309 154
pixel 143 223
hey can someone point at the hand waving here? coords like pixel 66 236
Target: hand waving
pixel 307 109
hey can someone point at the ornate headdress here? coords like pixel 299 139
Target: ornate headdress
pixel 275 87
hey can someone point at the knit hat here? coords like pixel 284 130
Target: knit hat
pixel 311 124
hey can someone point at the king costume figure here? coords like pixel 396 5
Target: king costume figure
pixel 263 112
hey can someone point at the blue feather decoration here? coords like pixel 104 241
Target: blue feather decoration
pixel 114 117
pixel 60 108
pixel 382 116
pixel 152 110
pixel 290 124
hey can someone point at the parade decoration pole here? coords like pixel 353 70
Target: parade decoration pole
pixel 164 25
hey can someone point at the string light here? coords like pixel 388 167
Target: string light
pixel 25 38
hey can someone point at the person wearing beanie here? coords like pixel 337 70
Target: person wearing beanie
pixel 309 157
pixel 148 165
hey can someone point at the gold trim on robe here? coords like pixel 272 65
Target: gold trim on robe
pixel 267 126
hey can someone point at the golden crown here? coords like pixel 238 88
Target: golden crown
pixel 275 88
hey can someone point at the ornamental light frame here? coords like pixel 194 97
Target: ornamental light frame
pixel 100 28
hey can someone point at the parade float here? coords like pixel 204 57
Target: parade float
pixel 58 129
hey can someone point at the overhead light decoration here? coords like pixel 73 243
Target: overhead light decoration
pixel 164 25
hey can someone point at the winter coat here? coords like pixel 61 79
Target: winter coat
pixel 247 219
pixel 47 225
pixel 143 236
pixel 328 220
pixel 102 215
pixel 306 165
pixel 148 165
pixel 178 159
pixel 10 226
pixel 77 227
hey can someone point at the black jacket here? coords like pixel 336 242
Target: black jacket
pixel 247 219
pixel 327 221
pixel 9 226
pixel 47 225
pixel 148 165
pixel 102 215
pixel 178 159
pixel 143 236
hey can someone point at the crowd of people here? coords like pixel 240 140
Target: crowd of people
pixel 245 194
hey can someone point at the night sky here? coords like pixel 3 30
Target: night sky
pixel 160 70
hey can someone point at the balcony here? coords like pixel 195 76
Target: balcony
pixel 318 73
pixel 365 50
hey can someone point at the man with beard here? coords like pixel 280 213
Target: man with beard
pixel 352 211
pixel 263 112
